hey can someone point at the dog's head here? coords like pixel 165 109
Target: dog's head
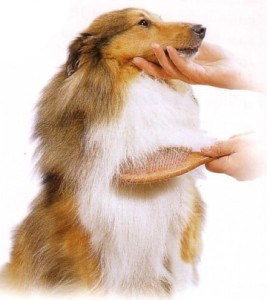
pixel 125 34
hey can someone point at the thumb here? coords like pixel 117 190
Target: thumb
pixel 221 165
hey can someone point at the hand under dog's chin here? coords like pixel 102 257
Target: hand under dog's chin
pixel 183 52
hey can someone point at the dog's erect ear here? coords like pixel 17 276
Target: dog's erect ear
pixel 75 51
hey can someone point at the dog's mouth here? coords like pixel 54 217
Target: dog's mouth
pixel 185 52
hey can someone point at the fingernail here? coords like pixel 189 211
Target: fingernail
pixel 169 48
pixel 136 59
pixel 155 46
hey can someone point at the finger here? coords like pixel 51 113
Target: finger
pixel 164 61
pixel 220 149
pixel 168 66
pixel 156 71
pixel 150 68
pixel 221 165
pixel 187 67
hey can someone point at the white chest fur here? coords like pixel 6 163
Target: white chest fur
pixel 137 230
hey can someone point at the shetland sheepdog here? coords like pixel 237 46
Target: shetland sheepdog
pixel 86 230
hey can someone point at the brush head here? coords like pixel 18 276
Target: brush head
pixel 161 165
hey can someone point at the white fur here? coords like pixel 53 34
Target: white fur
pixel 135 228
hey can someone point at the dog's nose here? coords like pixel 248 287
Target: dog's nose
pixel 199 30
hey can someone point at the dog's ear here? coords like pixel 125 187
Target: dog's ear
pixel 75 51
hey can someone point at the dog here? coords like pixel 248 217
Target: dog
pixel 85 229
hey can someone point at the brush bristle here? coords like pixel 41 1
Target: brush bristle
pixel 162 165
pixel 166 158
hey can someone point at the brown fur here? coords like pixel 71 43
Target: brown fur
pixel 51 247
pixel 191 238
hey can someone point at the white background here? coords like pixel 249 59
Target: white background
pixel 34 38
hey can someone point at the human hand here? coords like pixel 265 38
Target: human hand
pixel 211 66
pixel 239 157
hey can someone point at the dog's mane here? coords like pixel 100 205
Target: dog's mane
pixel 87 91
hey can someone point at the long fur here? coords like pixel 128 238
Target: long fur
pixel 86 229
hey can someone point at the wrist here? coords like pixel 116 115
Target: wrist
pixel 247 78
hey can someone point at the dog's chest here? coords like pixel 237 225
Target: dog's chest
pixel 154 115
pixel 157 100
pixel 155 110
pixel 137 229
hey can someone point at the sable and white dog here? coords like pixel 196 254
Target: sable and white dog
pixel 85 229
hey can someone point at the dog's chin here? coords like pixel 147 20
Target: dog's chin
pixel 187 52
pixel 184 52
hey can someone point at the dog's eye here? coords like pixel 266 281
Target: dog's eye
pixel 144 23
